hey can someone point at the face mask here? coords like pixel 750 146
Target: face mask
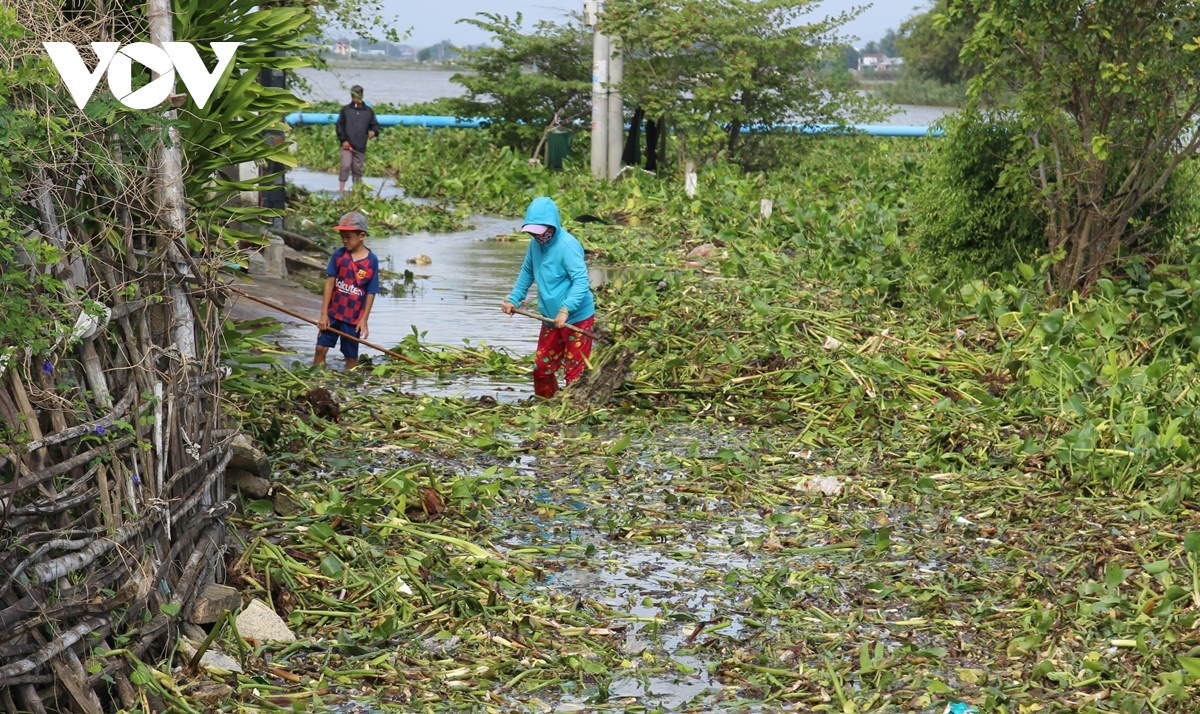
pixel 545 238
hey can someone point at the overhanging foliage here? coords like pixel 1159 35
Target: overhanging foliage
pixel 1109 97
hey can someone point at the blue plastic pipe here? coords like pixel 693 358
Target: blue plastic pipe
pixel 444 122
pixel 433 122
pixel 868 129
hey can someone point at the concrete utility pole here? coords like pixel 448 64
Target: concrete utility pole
pixel 600 56
pixel 616 108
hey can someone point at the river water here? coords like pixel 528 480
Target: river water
pixel 408 86
pixel 455 299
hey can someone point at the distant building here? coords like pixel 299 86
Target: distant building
pixel 870 61
pixel 877 62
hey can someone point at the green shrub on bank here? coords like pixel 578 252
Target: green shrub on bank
pixel 32 314
pixel 978 211
pixel 972 215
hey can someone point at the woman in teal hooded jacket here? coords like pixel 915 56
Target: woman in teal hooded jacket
pixel 555 262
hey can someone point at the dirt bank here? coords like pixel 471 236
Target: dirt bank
pixel 282 291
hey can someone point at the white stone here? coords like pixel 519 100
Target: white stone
pixel 210 658
pixel 259 622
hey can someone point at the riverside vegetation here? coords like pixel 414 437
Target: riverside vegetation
pixel 841 477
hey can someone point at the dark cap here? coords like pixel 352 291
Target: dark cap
pixel 356 91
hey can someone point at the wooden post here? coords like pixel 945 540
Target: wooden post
pixel 172 201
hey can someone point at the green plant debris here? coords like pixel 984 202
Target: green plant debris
pixel 833 483
pixel 384 215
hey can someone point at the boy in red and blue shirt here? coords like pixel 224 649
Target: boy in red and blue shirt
pixel 351 285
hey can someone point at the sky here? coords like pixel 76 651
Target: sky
pixel 434 21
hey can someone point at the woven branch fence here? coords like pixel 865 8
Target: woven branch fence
pixel 112 444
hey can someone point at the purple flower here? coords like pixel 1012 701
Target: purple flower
pixel 136 480
pixel 47 367
pixel 100 429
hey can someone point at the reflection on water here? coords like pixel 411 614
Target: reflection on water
pixel 328 183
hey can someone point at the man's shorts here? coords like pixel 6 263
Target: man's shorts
pixel 352 163
pixel 329 339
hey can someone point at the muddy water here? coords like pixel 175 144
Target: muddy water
pixel 454 300
pixel 670 592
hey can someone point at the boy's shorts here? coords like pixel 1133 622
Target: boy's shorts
pixel 329 339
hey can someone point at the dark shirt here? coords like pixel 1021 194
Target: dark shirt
pixel 354 122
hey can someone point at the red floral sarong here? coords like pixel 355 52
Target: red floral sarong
pixel 565 348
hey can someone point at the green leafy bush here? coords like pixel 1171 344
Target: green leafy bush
pixel 977 211
pixel 26 290
pixel 974 214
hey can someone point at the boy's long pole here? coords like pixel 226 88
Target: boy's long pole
pixel 548 321
pixel 285 311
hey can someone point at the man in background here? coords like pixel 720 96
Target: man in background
pixel 355 124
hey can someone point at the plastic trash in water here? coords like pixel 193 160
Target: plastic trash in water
pixel 828 485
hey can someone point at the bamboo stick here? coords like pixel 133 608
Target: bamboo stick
pixel 67 639
pixel 31 420
pixel 330 329
pixel 168 180
pixel 118 412
pixel 567 326
pixel 106 508
pixel 30 698
pixel 69 672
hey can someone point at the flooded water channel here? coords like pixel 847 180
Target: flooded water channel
pixel 674 579
pixel 454 300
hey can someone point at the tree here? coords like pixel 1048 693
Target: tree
pixel 361 17
pixel 716 67
pixel 887 45
pixel 442 51
pixel 527 83
pixel 851 56
pixel 930 44
pixel 1108 96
